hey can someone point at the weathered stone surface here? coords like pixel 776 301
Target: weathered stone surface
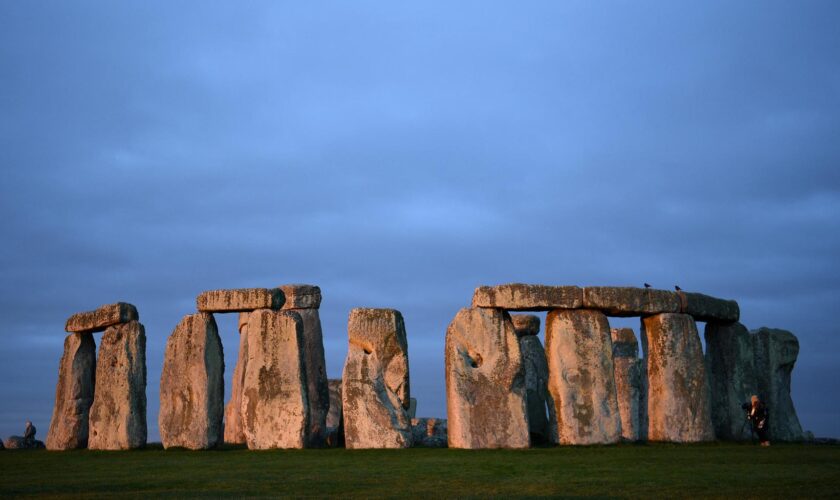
pixel 628 383
pixel 526 324
pixel 542 421
pixel 240 300
pixel 375 382
pixel 485 381
pixel 706 308
pixel 101 318
pixel 522 297
pixel 730 367
pixel 275 409
pixel 234 430
pixel 73 394
pixel 317 385
pixel 192 387
pixel 335 419
pixel 678 392
pixel 581 377
pixel 429 432
pixel 118 413
pixel 629 301
pixel 775 355
pixel 301 296
pixel 19 443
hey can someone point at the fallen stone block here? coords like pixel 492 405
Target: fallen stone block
pixel 240 300
pixel 485 382
pixel 629 301
pixel 73 394
pixel 19 443
pixel 776 352
pixel 101 318
pixel 730 365
pixel 522 297
pixel 301 296
pixel 375 382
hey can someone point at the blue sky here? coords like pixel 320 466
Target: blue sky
pixel 401 154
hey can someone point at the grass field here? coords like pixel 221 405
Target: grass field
pixel 708 470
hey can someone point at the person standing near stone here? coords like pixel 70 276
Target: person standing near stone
pixel 759 418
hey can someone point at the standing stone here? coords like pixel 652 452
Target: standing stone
pixel 275 410
pixel 376 381
pixel 542 421
pixel 730 366
pixel 581 377
pixel 678 393
pixel 73 394
pixel 118 413
pixel 192 387
pixel 775 355
pixel 485 381
pixel 335 418
pixel 234 430
pixel 628 383
pixel 318 389
pixel 429 432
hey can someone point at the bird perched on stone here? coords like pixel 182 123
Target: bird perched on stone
pixel 677 288
pixel 647 285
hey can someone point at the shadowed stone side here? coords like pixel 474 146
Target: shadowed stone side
pixel 706 308
pixel 73 394
pixel 101 318
pixel 240 300
pixel 301 296
pixel 678 393
pixel 429 432
pixel 335 418
pixel 485 382
pixel 375 382
pixel 581 377
pixel 730 366
pixel 522 297
pixel 192 387
pixel 275 410
pixel 775 355
pixel 629 301
pixel 118 413
pixel 234 431
pixel 628 383
pixel 318 390
pixel 542 422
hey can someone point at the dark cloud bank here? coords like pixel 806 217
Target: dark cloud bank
pixel 399 156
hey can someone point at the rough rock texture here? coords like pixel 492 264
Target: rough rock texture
pixel 678 392
pixel 730 367
pixel 629 301
pixel 526 324
pixel 192 387
pixel 317 384
pixel 542 420
pixel 335 419
pixel 706 308
pixel 240 300
pixel 775 355
pixel 485 381
pixel 412 408
pixel 429 432
pixel 18 443
pixel 275 409
pixel 101 318
pixel 118 413
pixel 628 383
pixel 581 377
pixel 522 297
pixel 234 430
pixel 301 296
pixel 73 394
pixel 376 381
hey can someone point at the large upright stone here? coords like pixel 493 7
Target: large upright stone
pixel 375 382
pixel 542 421
pixel 485 382
pixel 73 393
pixel 118 413
pixel 628 383
pixel 101 318
pixel 234 430
pixel 678 393
pixel 730 367
pixel 317 385
pixel 522 297
pixel 192 387
pixel 240 300
pixel 581 377
pixel 275 410
pixel 629 301
pixel 335 418
pixel 775 355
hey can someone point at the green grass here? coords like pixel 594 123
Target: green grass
pixel 709 470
